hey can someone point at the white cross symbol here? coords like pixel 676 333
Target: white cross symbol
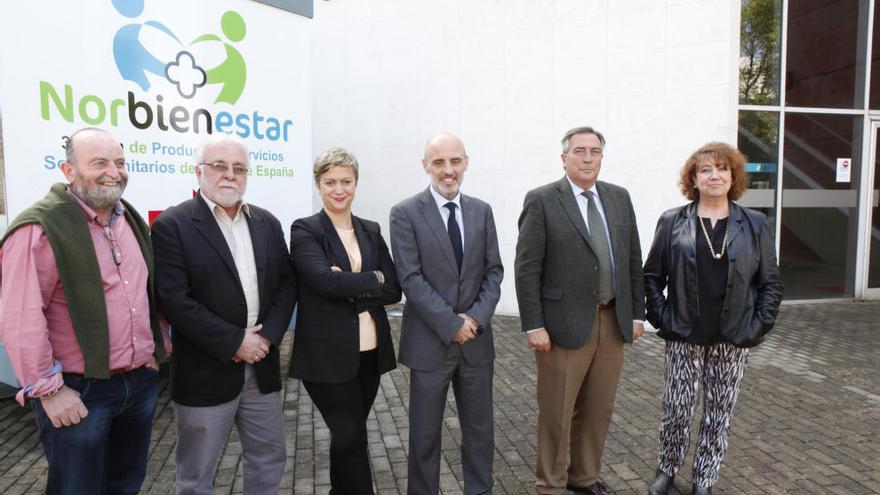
pixel 185 74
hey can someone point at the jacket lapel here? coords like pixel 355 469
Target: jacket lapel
pixel 469 216
pixel 333 244
pixel 207 227
pixel 734 222
pixel 570 206
pixel 365 243
pixel 435 224
pixel 613 215
pixel 259 241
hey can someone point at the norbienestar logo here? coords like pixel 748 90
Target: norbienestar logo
pixel 141 65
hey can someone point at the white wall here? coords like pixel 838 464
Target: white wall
pixel 510 77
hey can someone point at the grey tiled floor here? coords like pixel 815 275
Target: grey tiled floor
pixel 807 421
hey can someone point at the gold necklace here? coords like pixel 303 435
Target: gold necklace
pixel 715 255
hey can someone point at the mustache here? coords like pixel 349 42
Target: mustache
pixel 107 180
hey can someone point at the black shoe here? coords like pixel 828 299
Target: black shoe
pixel 597 488
pixel 661 483
pixel 702 490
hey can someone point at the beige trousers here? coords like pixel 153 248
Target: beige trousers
pixel 576 390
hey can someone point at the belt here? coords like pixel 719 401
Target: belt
pixel 113 372
pixel 605 305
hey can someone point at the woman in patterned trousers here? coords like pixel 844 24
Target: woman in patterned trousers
pixel 717 262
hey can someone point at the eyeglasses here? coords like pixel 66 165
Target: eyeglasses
pixel 221 167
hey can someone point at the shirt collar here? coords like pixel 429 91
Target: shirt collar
pixel 441 201
pixel 118 209
pixel 242 207
pixel 576 189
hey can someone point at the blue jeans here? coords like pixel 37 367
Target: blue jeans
pixel 105 453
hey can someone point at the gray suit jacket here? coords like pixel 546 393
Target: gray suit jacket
pixel 435 291
pixel 556 268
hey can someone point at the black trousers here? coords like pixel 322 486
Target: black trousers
pixel 345 407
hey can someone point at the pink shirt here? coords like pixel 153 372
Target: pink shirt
pixel 35 324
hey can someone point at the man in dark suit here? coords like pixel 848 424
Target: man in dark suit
pixel 581 296
pixel 225 283
pixel 446 253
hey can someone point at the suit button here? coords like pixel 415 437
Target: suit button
pixel 595 268
pixel 595 293
pixel 732 260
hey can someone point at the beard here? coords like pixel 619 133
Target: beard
pixel 223 196
pixel 96 196
pixel 447 191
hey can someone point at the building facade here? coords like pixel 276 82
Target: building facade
pixel 791 82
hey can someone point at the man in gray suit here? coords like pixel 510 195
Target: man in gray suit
pixel 446 253
pixel 581 296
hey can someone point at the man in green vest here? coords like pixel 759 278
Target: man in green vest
pixel 78 319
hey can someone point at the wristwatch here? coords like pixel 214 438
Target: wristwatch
pixel 380 277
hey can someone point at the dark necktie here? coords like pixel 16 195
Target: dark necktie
pixel 600 243
pixel 454 234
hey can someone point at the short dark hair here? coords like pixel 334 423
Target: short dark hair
pixel 721 152
pixel 581 130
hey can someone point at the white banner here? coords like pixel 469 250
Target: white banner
pixel 160 75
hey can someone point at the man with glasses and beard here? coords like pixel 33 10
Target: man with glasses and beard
pixel 225 282
pixel 78 319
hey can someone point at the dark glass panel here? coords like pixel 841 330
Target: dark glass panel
pixel 819 214
pixel 875 61
pixel 874 234
pixel 758 139
pixel 826 47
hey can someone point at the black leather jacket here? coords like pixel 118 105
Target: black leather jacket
pixel 754 289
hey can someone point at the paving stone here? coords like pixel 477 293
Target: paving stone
pixel 807 420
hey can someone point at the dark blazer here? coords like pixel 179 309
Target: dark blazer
pixel 435 290
pixel 326 343
pixel 754 288
pixel 557 285
pixel 200 294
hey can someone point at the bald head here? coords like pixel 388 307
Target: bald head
pixel 85 134
pixel 444 139
pixel 445 161
pixel 95 168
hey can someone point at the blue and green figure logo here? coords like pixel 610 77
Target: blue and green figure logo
pixel 134 60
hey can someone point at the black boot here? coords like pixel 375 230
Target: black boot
pixel 702 490
pixel 661 484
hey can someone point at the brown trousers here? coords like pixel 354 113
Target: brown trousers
pixel 576 390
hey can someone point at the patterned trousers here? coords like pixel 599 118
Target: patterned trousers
pixel 718 369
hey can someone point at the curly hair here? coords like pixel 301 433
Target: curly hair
pixel 723 153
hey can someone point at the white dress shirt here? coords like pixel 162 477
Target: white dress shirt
pixel 444 211
pixel 238 238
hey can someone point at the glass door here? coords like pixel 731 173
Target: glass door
pixel 872 227
pixel 820 192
